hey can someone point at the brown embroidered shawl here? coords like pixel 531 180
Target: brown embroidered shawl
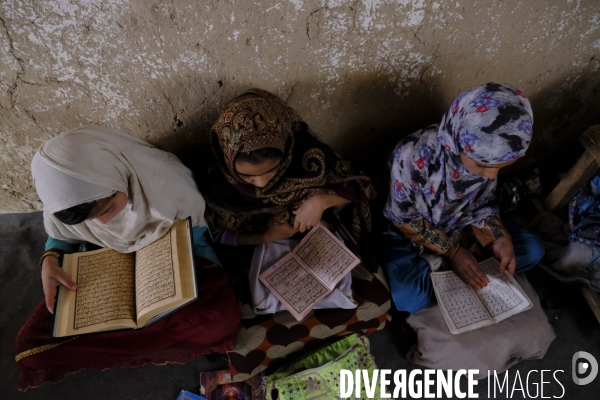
pixel 259 119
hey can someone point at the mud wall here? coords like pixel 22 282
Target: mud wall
pixel 361 73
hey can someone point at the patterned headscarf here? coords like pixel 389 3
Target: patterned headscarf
pixel 258 119
pixel 491 124
pixel 254 120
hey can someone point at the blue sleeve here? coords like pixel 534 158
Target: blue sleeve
pixel 68 248
pixel 201 246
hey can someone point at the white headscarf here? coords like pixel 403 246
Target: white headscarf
pixel 94 162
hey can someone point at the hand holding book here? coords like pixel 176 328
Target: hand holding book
pixel 305 276
pixel 466 309
pixel 126 290
pixel 310 212
pixel 53 276
pixel 467 268
pixel 505 253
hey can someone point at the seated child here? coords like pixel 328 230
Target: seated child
pixel 101 187
pixel 442 187
pixel 272 178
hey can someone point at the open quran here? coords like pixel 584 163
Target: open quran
pixel 127 291
pixel 309 272
pixel 466 309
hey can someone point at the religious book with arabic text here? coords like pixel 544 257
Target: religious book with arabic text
pixel 127 290
pixel 466 309
pixel 303 278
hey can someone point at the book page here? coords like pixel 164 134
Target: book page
pixel 294 286
pixel 167 281
pixel 155 273
pixel 502 297
pixel 105 293
pixel 326 256
pixel 466 309
pixel 460 304
pixel 167 274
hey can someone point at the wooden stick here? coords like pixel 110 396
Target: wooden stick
pixel 576 178
pixel 593 299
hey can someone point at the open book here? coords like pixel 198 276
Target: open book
pixel 121 291
pixel 466 309
pixel 309 272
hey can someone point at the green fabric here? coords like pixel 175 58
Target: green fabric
pixel 317 376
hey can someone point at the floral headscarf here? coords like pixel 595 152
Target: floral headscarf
pixel 491 124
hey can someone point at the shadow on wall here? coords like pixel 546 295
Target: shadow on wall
pixel 382 119
pixel 370 118
pixel 363 127
pixel 562 111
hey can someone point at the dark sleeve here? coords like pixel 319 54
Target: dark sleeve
pixel 421 232
pixel 228 238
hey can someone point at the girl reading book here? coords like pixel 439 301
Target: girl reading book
pixel 272 177
pixel 442 186
pixel 104 188
pixel 270 181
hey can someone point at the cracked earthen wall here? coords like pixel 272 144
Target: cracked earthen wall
pixel 361 73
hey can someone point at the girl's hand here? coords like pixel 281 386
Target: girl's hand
pixel 467 268
pixel 52 276
pixel 278 232
pixel 310 212
pixel 505 253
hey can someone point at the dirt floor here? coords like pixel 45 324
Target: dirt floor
pixel 22 240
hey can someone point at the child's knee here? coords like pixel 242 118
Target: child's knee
pixel 533 254
pixel 411 298
pixel 537 249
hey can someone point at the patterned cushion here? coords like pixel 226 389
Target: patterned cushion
pixel 267 339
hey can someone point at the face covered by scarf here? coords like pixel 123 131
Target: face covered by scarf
pixel 491 124
pixel 259 119
pixel 94 162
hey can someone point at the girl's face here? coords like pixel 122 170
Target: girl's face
pixel 106 209
pixel 258 175
pixel 489 171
